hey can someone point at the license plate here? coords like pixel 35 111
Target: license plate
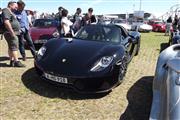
pixel 40 41
pixel 56 78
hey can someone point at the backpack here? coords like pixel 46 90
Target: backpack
pixel 2 27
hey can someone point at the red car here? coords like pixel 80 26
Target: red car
pixel 158 26
pixel 43 30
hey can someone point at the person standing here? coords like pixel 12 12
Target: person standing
pixel 58 17
pixel 29 16
pixel 65 24
pixel 89 17
pixel 13 29
pixel 35 16
pixel 77 18
pixel 168 25
pixel 0 11
pixel 175 22
pixel 178 24
pixel 24 34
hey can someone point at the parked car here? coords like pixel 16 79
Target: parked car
pixel 141 26
pixel 121 22
pixel 93 61
pixel 158 26
pixel 43 30
pixel 166 86
pixel 174 37
pixel 104 21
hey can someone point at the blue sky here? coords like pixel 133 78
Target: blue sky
pixel 157 7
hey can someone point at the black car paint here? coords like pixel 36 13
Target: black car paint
pixel 81 56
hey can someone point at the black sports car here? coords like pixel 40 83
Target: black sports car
pixel 93 61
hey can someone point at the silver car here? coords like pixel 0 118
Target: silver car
pixel 166 86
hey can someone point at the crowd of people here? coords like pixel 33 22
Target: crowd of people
pixel 17 22
pixel 76 23
pixel 174 23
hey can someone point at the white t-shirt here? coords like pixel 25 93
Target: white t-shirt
pixel 29 19
pixel 67 23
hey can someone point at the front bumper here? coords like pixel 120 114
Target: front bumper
pixel 83 84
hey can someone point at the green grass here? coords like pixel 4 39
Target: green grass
pixel 25 96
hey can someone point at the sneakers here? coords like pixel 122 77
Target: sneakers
pixel 12 63
pixel 16 64
pixel 24 58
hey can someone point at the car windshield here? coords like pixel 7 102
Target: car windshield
pixel 99 33
pixel 119 21
pixel 158 22
pixel 45 23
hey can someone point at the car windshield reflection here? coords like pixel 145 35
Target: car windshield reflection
pixel 45 23
pixel 99 33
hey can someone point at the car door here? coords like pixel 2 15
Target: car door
pixel 126 41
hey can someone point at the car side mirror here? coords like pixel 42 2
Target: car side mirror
pixel 131 35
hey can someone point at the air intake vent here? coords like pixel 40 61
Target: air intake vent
pixel 177 48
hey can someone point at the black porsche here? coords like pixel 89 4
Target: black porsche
pixel 93 61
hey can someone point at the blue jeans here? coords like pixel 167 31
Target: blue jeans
pixel 26 36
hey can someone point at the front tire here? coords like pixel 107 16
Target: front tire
pixel 122 73
pixel 122 70
pixel 138 48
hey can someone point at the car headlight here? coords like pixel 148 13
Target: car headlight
pixel 56 34
pixel 102 64
pixel 41 52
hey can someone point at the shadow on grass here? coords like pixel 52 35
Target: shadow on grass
pixel 163 46
pixel 27 58
pixel 4 65
pixel 34 83
pixel 4 58
pixel 139 100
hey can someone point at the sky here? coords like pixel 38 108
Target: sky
pixel 157 7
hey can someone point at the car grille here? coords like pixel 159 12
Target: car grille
pixel 47 37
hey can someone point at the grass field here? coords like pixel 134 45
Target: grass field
pixel 24 96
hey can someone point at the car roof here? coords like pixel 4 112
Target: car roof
pixel 108 25
pixel 45 19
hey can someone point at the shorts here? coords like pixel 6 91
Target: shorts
pixel 12 42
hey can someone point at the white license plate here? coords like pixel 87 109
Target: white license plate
pixel 56 78
pixel 40 41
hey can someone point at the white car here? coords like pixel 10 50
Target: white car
pixel 141 27
pixel 121 22
pixel 166 86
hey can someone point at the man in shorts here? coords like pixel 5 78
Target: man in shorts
pixel 12 30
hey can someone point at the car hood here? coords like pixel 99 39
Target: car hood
pixel 76 57
pixel 45 30
pixel 36 32
pixel 159 24
pixel 145 26
pixel 126 26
